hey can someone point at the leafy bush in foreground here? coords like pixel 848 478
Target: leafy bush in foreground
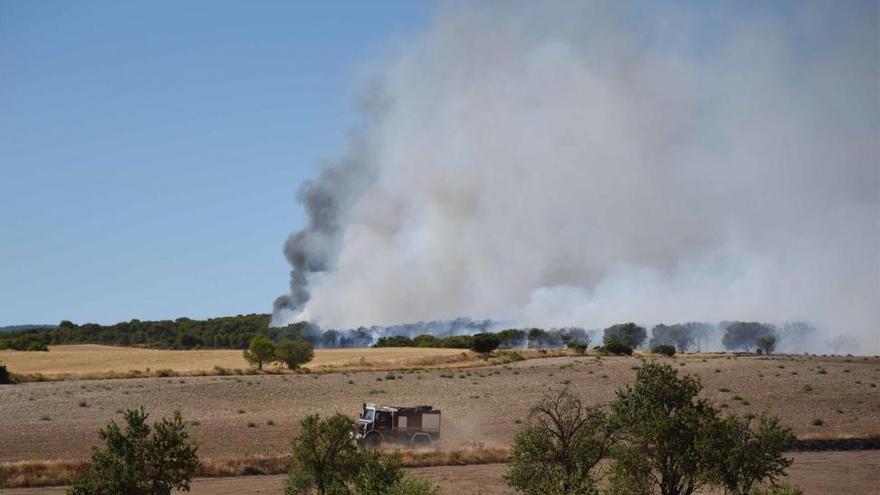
pixel 324 460
pixel 5 377
pixel 663 438
pixel 140 459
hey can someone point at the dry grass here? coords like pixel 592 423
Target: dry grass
pixel 98 361
pixel 60 472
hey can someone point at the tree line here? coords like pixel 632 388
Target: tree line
pixel 236 332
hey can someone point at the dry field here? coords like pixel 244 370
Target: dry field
pixel 817 473
pixel 84 361
pixel 58 420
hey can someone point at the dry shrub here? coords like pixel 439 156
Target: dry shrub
pixel 20 474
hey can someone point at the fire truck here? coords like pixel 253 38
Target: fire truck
pixel 417 426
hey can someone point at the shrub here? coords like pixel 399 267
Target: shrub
pixel 261 350
pixel 426 341
pixel 577 347
pixel 818 422
pixel 394 341
pixel 666 350
pixel 617 347
pixel 484 343
pixel 325 461
pixel 5 376
pixel 140 459
pixel 456 342
pixel 37 346
pixel 293 353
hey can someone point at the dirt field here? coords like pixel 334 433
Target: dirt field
pixel 825 473
pixel 59 420
pixel 83 360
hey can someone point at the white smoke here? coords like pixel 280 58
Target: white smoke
pixel 584 163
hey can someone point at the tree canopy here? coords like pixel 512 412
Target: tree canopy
pixel 140 459
pixel 628 333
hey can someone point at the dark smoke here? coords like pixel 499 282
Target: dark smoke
pixel 311 250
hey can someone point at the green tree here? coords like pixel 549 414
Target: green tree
pixel 324 460
pixel 628 333
pixel 140 459
pixel 767 343
pixel 559 448
pixel 661 420
pixel 261 350
pixel 484 343
pixel 293 353
pixel 741 457
pixel 744 335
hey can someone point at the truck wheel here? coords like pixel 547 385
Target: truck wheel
pixel 421 441
pixel 372 440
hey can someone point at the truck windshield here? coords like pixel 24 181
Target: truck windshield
pixel 368 414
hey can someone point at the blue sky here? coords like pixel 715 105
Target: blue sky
pixel 150 151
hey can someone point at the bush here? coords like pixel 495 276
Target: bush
pixel 617 347
pixel 5 376
pixel 394 341
pixel 140 459
pixel 577 347
pixel 325 461
pixel 666 350
pixel 37 346
pixel 456 342
pixel 484 343
pixel 293 353
pixel 426 341
pixel 261 350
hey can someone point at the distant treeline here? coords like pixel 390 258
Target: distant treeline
pixel 235 332
pixel 232 332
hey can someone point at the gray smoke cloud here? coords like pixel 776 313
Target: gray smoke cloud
pixel 587 163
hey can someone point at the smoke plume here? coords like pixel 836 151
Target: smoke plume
pixel 587 163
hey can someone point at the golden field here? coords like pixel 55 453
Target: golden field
pixel 95 361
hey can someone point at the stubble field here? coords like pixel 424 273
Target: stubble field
pixel 88 360
pixel 244 415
